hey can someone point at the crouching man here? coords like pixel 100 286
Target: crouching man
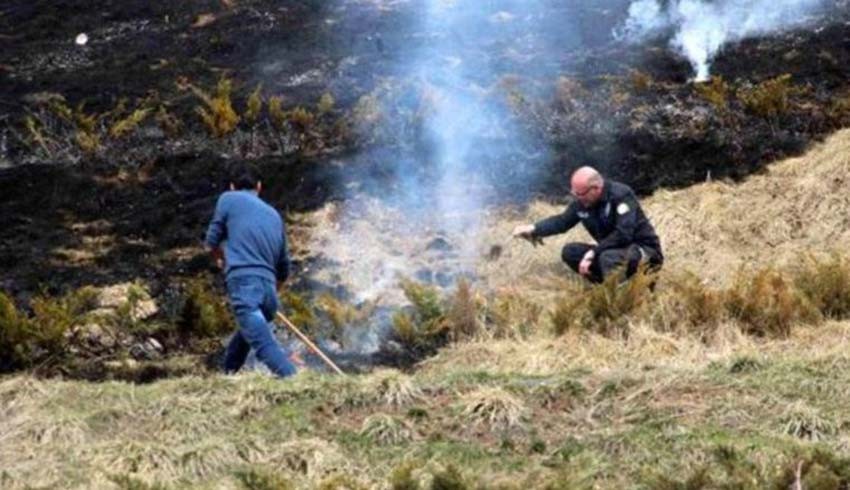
pixel 611 214
pixel 255 258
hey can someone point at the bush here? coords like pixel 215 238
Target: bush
pixel 15 328
pixel 826 285
pixel 402 478
pixel 449 479
pixel 254 105
pixel 463 319
pixel 296 306
pixel 263 480
pixel 770 98
pixel 766 303
pixel 26 340
pixel 419 326
pixel 326 104
pixel 605 308
pixel 301 118
pixel 715 92
pixel 276 112
pixel 204 313
pixel 217 112
pixel 127 125
pixel 513 316
pixel 690 304
pixel 641 81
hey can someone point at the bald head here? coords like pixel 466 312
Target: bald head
pixel 586 185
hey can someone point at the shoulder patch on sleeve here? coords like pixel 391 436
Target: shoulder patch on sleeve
pixel 623 208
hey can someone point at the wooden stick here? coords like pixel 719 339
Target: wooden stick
pixel 309 343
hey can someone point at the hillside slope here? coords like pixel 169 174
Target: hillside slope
pixel 656 410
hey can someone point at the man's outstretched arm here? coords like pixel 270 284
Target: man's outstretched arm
pixel 560 223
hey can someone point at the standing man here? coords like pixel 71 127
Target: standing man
pixel 255 258
pixel 611 214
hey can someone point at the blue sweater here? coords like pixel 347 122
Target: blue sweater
pixel 254 236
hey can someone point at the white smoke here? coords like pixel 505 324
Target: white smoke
pixel 702 28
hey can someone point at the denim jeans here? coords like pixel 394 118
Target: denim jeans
pixel 254 302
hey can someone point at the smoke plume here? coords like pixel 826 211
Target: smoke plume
pixel 701 28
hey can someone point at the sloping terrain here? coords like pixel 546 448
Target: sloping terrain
pixel 658 409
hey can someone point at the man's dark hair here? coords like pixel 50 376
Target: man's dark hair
pixel 243 177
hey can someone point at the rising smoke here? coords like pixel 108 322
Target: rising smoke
pixel 455 146
pixel 701 28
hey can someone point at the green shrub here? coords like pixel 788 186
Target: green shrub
pixel 25 340
pixel 15 329
pixel 421 325
pixel 204 313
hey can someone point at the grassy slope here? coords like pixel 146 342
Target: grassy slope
pixel 654 411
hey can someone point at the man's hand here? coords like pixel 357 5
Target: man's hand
pixel 586 262
pixel 218 256
pixel 296 359
pixel 526 232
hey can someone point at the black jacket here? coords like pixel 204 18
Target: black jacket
pixel 615 221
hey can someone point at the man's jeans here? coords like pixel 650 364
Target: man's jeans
pixel 254 302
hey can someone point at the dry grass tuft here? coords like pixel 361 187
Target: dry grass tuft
pixel 806 422
pixel 386 430
pixel 494 408
pixel 394 388
pixel 312 458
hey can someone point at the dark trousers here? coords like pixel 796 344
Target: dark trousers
pixel 609 261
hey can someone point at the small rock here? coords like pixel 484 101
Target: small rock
pixel 494 253
pixel 423 275
pixel 439 244
pixel 148 350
